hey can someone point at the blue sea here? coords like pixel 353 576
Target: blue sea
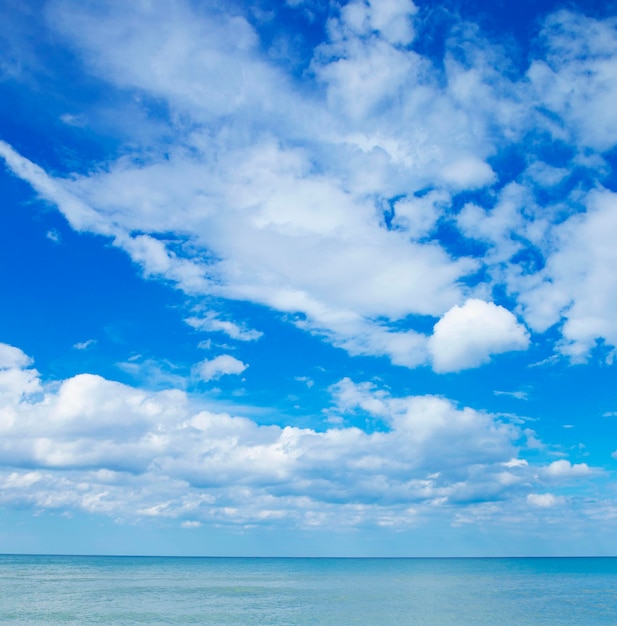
pixel 295 591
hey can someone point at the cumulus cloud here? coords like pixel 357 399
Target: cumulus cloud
pixel 92 444
pixel 468 335
pixel 12 357
pixel 436 432
pixel 17 380
pixel 392 19
pixel 469 173
pixel 544 500
pixel 563 469
pixel 222 365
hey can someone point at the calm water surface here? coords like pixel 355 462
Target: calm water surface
pixel 148 590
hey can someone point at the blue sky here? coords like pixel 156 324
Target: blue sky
pixel 308 277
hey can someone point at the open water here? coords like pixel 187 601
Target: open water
pixel 151 590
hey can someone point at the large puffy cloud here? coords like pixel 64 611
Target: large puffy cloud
pixel 468 335
pixel 97 445
pixel 563 469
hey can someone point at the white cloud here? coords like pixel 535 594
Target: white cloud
pixel 436 433
pixel 563 469
pixel 190 524
pixel 581 52
pixel 468 173
pixel 519 395
pixel 12 357
pixel 384 274
pixel 267 225
pixel 325 199
pixel 546 175
pixel 515 463
pixel 578 283
pixel 73 120
pixel 84 345
pixel 212 323
pixel 417 216
pixel 222 365
pixel 182 54
pixel 286 236
pixel 108 448
pixel 544 500
pixel 392 19
pixel 497 225
pixel 53 235
pixel 17 381
pixel 468 335
pixel 155 374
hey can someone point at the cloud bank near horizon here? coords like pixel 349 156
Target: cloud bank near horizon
pixel 99 446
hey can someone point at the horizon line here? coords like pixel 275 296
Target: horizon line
pixel 298 557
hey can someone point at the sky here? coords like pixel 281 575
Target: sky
pixel 308 277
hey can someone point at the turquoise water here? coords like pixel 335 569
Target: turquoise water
pixel 152 590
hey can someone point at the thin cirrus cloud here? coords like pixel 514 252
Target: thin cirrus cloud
pixel 212 323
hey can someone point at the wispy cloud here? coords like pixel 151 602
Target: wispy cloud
pixel 519 395
pixel 84 345
pixel 212 323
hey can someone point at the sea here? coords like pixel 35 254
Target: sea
pixel 314 591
